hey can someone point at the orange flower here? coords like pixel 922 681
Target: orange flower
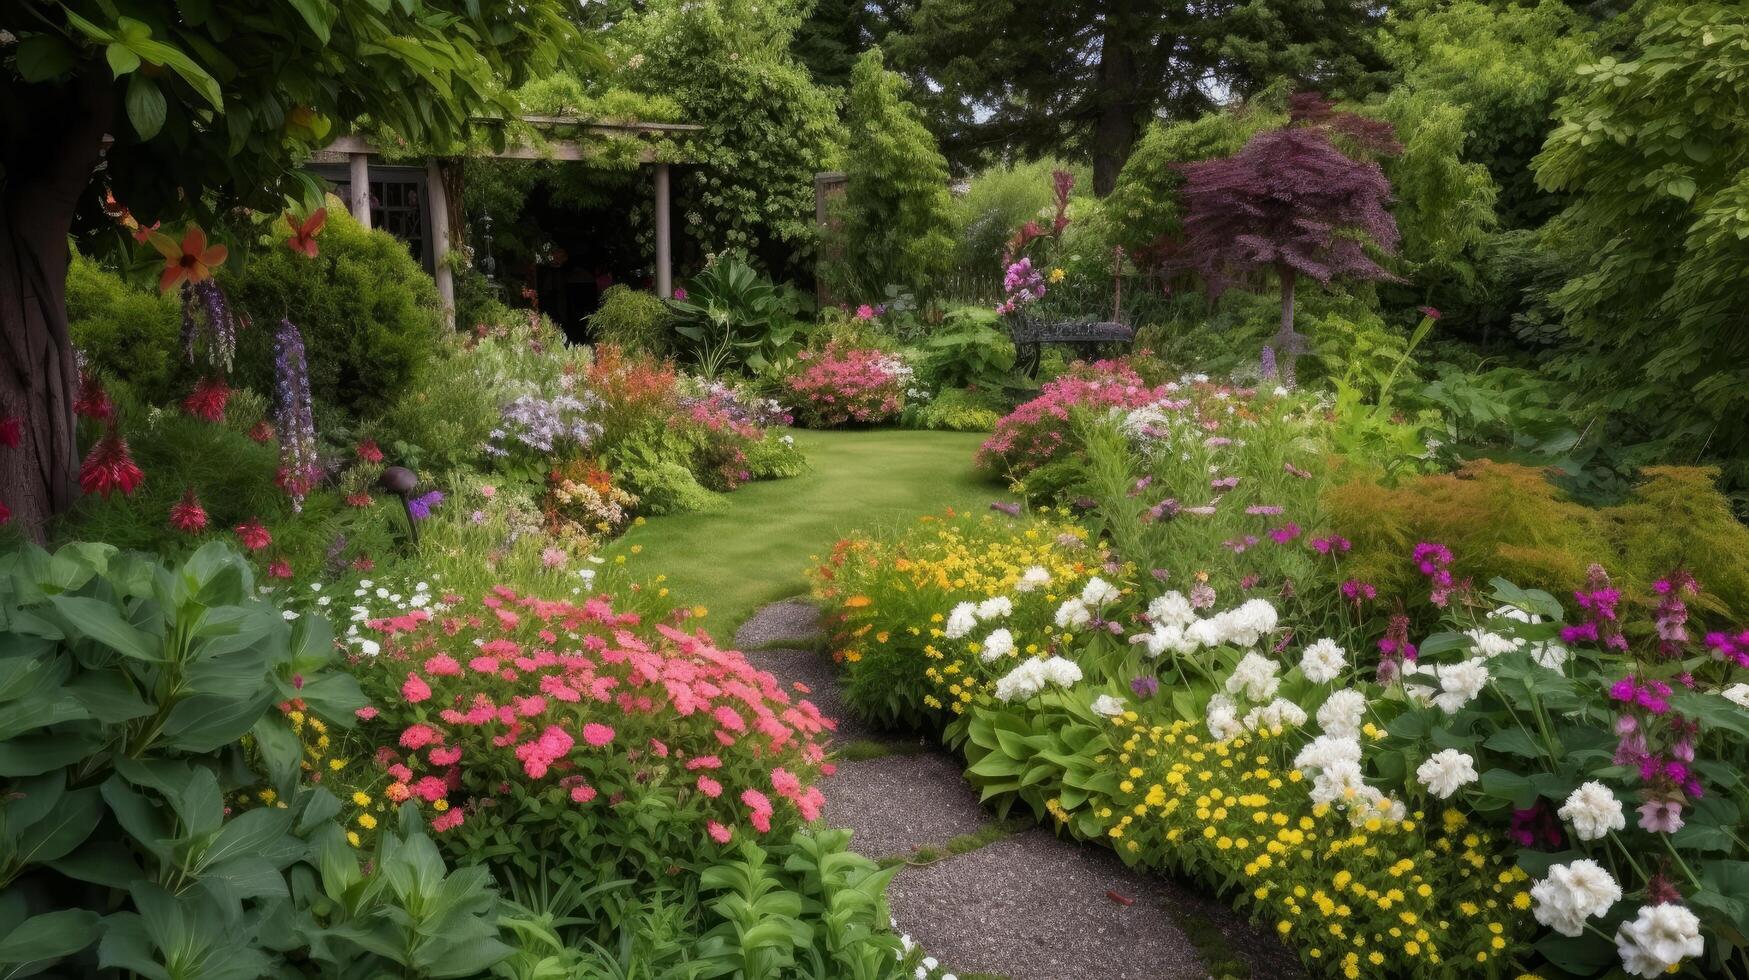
pixel 303 237
pixel 858 601
pixel 192 260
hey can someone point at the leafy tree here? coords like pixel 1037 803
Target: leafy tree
pixel 836 31
pixel 206 105
pixel 1654 151
pixel 768 128
pixel 1086 76
pixel 1502 66
pixel 1293 203
pixel 897 207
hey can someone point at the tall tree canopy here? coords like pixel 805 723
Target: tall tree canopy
pixel 193 107
pixel 1084 76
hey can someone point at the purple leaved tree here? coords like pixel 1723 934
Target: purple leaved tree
pixel 1291 202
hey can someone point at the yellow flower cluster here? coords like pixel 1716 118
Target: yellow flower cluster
pixel 890 597
pixel 1360 894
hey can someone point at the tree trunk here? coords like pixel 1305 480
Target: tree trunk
pixel 60 140
pixel 1114 133
pixel 1289 345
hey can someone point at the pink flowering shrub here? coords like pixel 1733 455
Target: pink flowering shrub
pixel 615 749
pixel 1036 433
pixel 841 385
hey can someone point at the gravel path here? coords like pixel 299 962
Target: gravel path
pixel 1025 906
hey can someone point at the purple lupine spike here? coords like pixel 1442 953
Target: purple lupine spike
pixel 206 313
pixel 1268 365
pixel 292 419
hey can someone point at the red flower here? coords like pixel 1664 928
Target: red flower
pixel 303 237
pixel 5 514
pixel 279 568
pixel 358 499
pixel 254 535
pixel 261 431
pixel 11 431
pixel 207 401
pixel 363 563
pixel 187 515
pixel 1430 313
pixel 92 401
pixel 192 260
pixel 369 451
pixel 110 467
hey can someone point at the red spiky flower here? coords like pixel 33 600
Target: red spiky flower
pixel 92 401
pixel 207 400
pixel 187 515
pixel 369 451
pixel 279 568
pixel 109 467
pixel 254 534
pixel 261 431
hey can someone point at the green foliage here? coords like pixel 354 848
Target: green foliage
pixel 1652 149
pixel 897 208
pixel 1444 205
pixel 968 349
pixel 997 201
pixel 131 688
pixel 736 317
pixel 369 314
pixel 230 97
pixel 775 457
pixel 958 410
pixel 1145 207
pixel 1502 67
pixel 1506 519
pixel 635 320
pixel 126 334
pixel 768 129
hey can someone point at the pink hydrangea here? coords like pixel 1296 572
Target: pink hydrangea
pixel 414 689
pixel 597 734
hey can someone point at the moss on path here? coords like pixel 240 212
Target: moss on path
pixel 758 547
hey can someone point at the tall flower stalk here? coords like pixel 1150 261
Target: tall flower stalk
pixel 292 419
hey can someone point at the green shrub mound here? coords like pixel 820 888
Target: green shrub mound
pixel 370 316
pixel 634 320
pixel 126 334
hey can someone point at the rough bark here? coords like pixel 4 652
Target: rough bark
pixel 1289 344
pixel 1114 134
pixel 55 141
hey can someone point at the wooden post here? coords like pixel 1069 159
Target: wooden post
pixel 360 193
pixel 437 200
pixel 664 237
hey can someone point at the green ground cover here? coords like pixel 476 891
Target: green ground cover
pixel 757 548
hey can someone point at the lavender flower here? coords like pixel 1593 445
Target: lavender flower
pixel 1268 366
pixel 1145 686
pixel 215 321
pixel 542 424
pixel 292 420
pixel 420 506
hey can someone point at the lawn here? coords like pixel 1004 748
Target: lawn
pixel 758 547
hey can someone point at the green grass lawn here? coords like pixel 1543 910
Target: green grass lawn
pixel 757 549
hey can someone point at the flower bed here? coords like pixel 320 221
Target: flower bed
pixel 841 385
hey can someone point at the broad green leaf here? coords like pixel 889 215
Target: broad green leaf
pixel 49 936
pixel 65 827
pixel 103 623
pixel 41 57
pixel 145 105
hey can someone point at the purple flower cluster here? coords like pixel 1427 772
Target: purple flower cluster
pixel 1394 649
pixel 1335 543
pixel 206 311
pixel 1434 561
pixel 1599 600
pixel 543 424
pixel 1671 617
pixel 420 506
pixel 1358 592
pixel 293 422
pixel 720 400
pixel 1145 686
pixel 1023 284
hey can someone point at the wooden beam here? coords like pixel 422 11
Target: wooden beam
pixel 664 237
pixel 562 151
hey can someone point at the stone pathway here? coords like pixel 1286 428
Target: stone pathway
pixel 992 899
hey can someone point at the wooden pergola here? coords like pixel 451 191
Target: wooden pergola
pixel 356 151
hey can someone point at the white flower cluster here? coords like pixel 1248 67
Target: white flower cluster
pixel 1178 630
pixel 965 616
pixel 1342 713
pixel 374 601
pixel 1333 763
pixel 1659 938
pixel 1459 683
pixel 1737 694
pixel 1323 661
pixel 1255 677
pixel 1033 674
pixel 1255 681
pixel 1549 654
pixel 1593 811
pixel 999 644
pixel 1446 771
pixel 1077 611
pixel 1573 893
pixel 1107 706
pixel 1032 579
